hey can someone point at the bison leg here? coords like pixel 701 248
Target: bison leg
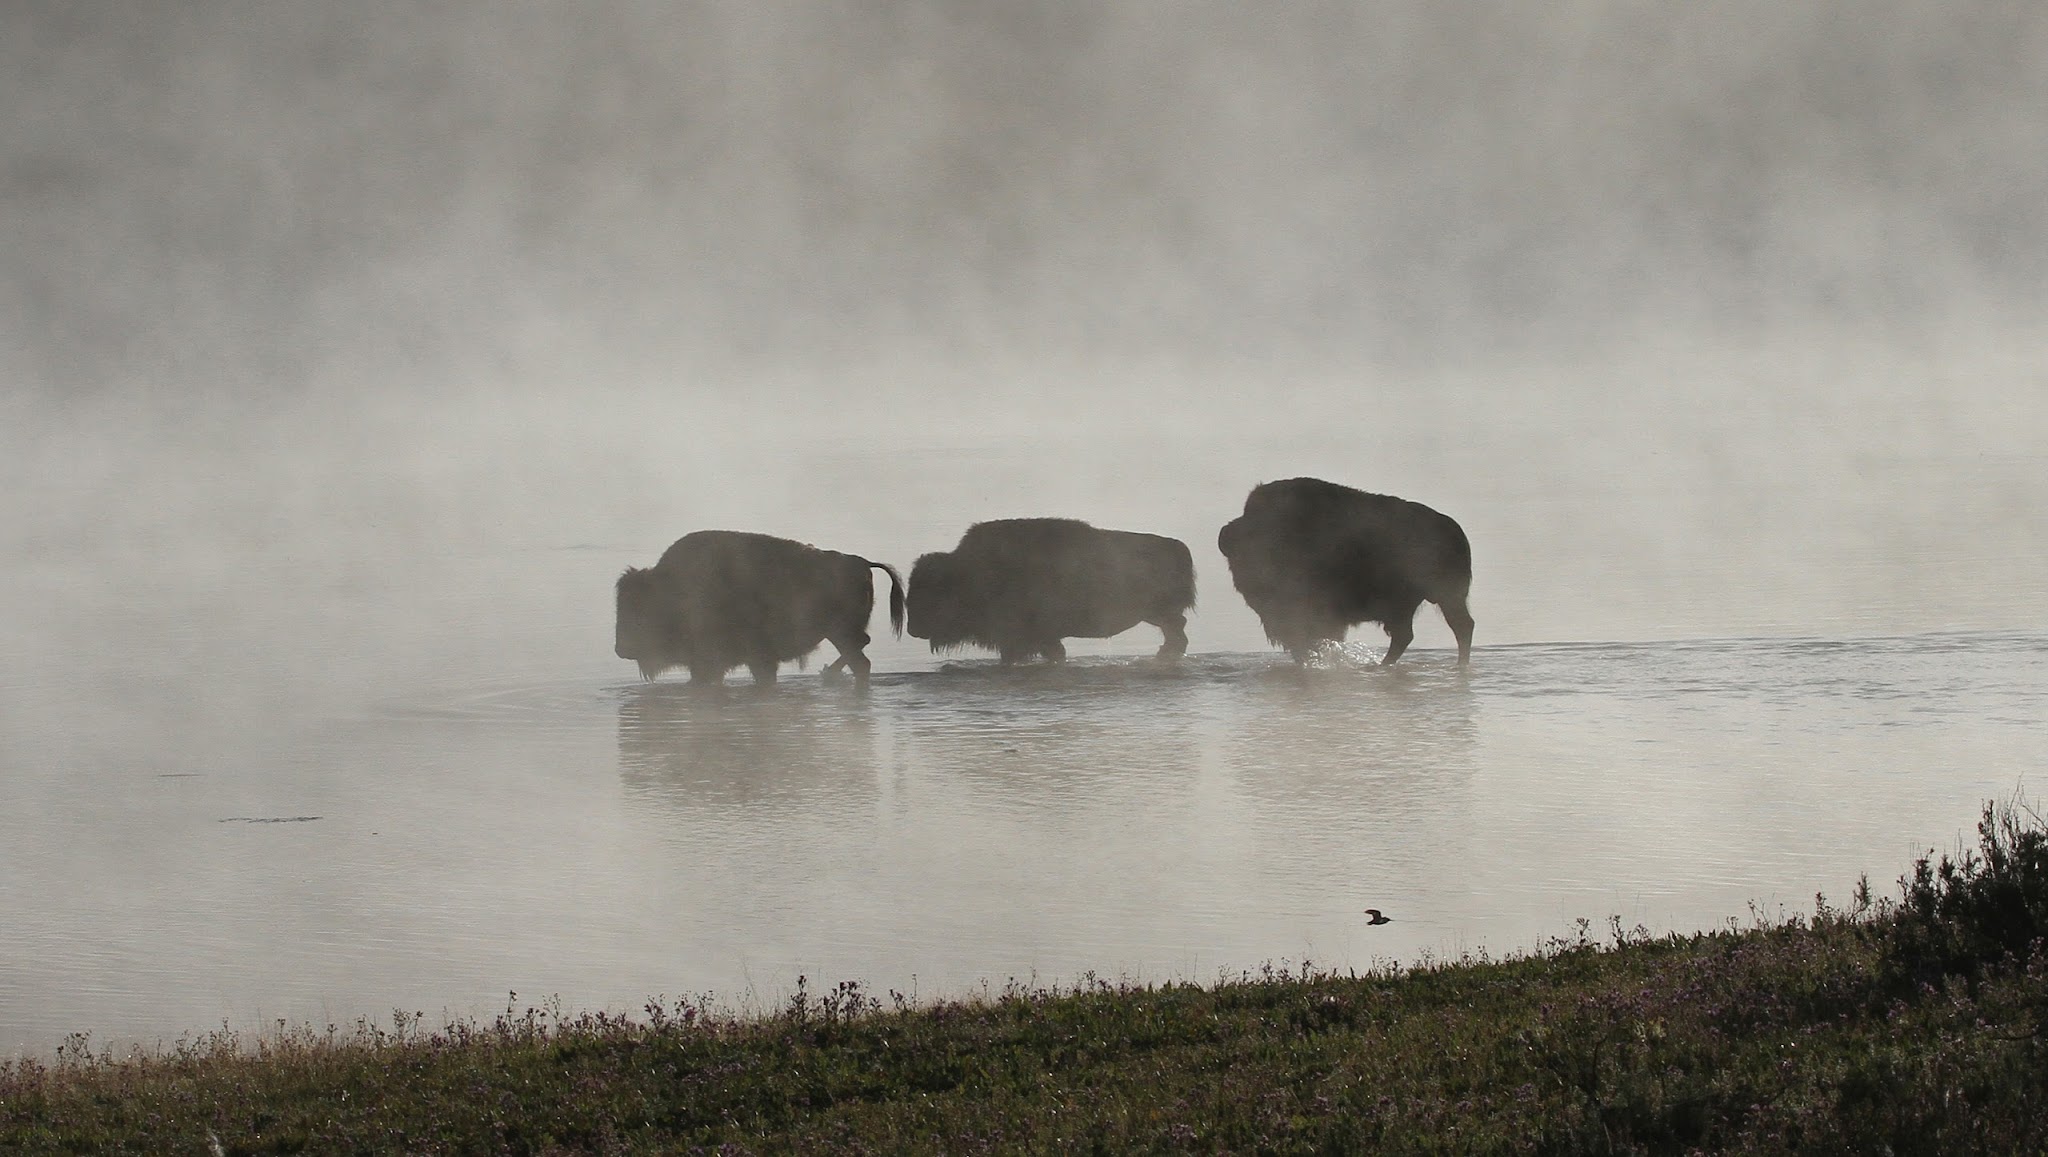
pixel 1175 628
pixel 763 672
pixel 1400 633
pixel 1303 644
pixel 1054 652
pixel 852 654
pixel 1460 619
pixel 713 676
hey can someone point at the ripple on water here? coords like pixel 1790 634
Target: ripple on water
pixel 964 819
pixel 557 703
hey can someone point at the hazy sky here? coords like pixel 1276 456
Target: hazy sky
pixel 245 197
pixel 1702 318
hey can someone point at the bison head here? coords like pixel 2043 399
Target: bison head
pixel 1248 547
pixel 941 601
pixel 1233 538
pixel 650 632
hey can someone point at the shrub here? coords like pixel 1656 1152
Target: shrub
pixel 1979 909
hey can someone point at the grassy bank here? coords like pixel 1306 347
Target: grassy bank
pixel 1913 1026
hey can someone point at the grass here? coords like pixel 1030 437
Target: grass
pixel 1909 1026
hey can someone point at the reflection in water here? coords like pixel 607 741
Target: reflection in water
pixel 1320 737
pixel 757 818
pixel 977 820
pixel 964 822
pixel 696 747
pixel 1054 738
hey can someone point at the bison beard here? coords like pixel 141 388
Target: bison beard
pixel 1020 585
pixel 720 599
pixel 1314 559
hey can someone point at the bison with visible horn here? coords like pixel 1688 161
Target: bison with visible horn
pixel 720 599
pixel 1019 586
pixel 1314 559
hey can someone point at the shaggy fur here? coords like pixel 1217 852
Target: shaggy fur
pixel 1315 559
pixel 720 599
pixel 1020 585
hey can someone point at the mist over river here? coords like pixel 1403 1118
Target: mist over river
pixel 348 356
pixel 356 740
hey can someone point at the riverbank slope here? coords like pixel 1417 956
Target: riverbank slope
pixel 1915 1026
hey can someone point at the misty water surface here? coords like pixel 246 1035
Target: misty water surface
pixel 319 725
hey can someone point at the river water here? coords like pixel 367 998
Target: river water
pixel 317 719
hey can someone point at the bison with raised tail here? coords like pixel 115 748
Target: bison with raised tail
pixel 1314 559
pixel 1019 586
pixel 720 599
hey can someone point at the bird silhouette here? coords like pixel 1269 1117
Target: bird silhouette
pixel 1377 918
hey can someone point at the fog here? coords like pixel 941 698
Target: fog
pixel 346 357
pixel 247 199
pixel 396 281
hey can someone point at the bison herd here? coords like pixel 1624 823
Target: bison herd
pixel 1312 558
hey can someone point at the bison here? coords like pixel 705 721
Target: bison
pixel 720 599
pixel 1314 559
pixel 1018 586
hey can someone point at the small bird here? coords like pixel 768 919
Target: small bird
pixel 1377 918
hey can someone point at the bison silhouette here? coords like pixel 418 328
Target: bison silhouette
pixel 1314 559
pixel 720 599
pixel 1018 586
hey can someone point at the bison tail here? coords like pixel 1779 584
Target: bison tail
pixel 895 596
pixel 1183 563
